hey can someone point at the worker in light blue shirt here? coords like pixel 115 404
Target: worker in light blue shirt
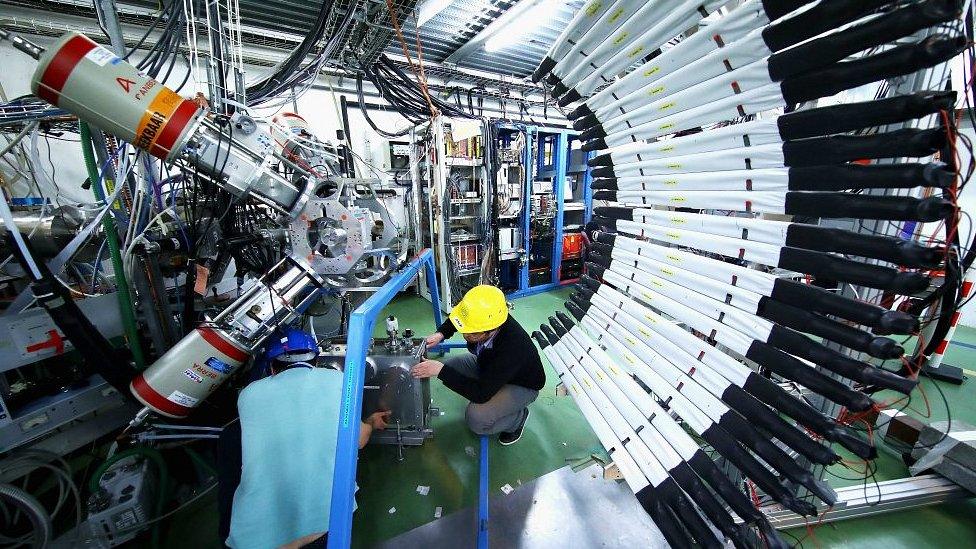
pixel 289 428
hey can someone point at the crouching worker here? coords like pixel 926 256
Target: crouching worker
pixel 501 375
pixel 277 463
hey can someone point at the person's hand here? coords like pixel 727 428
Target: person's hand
pixel 427 368
pixel 434 339
pixel 379 420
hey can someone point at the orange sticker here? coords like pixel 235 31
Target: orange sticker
pixel 200 284
pixel 160 109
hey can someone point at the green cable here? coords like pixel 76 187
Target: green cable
pixel 156 458
pixel 200 461
pixel 111 235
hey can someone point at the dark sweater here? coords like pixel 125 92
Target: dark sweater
pixel 512 359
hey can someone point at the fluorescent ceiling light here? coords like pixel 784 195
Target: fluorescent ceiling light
pixel 430 9
pixel 521 24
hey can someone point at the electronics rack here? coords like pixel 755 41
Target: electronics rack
pixel 540 230
pixel 451 213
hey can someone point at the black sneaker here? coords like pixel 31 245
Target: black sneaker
pixel 511 437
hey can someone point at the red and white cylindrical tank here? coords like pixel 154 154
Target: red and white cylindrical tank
pixel 97 86
pixel 189 372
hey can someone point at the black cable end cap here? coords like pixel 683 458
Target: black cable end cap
pixel 603 171
pixel 605 159
pixel 605 195
pixel 558 89
pixel 607 184
pixel 909 283
pixel 571 95
pixel 615 212
pixel 580 112
pixel 589 284
pixel 923 101
pixel 605 238
pixel 884 347
pixel 589 121
pixel 603 249
pixel 898 322
pixel 585 293
pixel 595 269
pixel 592 133
pixel 581 299
pixel 543 69
pixel 564 318
pixel 557 326
pixel 540 339
pixel 937 174
pixel 550 335
pixel 933 208
pixel 602 224
pixel 591 227
pixel 598 257
pixel 574 310
pixel 594 145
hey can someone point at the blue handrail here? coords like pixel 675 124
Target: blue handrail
pixel 361 323
pixel 483 495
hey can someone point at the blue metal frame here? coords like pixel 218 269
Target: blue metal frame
pixel 559 160
pixel 361 324
pixel 483 495
pixel 587 190
pixel 558 170
pixel 527 160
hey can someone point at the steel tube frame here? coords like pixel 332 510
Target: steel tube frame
pixel 361 323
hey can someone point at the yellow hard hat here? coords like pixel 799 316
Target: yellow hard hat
pixel 482 309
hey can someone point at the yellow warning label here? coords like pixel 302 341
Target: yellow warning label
pixel 623 36
pixel 616 15
pixel 651 71
pixel 160 109
pixel 593 8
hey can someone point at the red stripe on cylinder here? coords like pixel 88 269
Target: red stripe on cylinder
pixel 955 318
pixel 173 128
pixel 967 288
pixel 222 345
pixel 941 349
pixel 60 67
pixel 140 388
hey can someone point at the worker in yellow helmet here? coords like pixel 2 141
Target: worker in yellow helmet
pixel 501 375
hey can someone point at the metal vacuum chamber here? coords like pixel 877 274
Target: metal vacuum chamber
pixel 389 386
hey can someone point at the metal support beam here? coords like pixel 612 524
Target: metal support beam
pixel 108 18
pixel 477 41
pixel 361 323
pixel 890 495
pixel 560 159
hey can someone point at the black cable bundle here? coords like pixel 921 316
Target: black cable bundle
pixel 403 93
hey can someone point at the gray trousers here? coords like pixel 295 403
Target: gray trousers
pixel 503 412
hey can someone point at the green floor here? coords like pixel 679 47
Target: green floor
pixel 557 432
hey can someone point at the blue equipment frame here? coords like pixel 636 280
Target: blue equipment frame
pixel 558 170
pixel 361 324
pixel 483 495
